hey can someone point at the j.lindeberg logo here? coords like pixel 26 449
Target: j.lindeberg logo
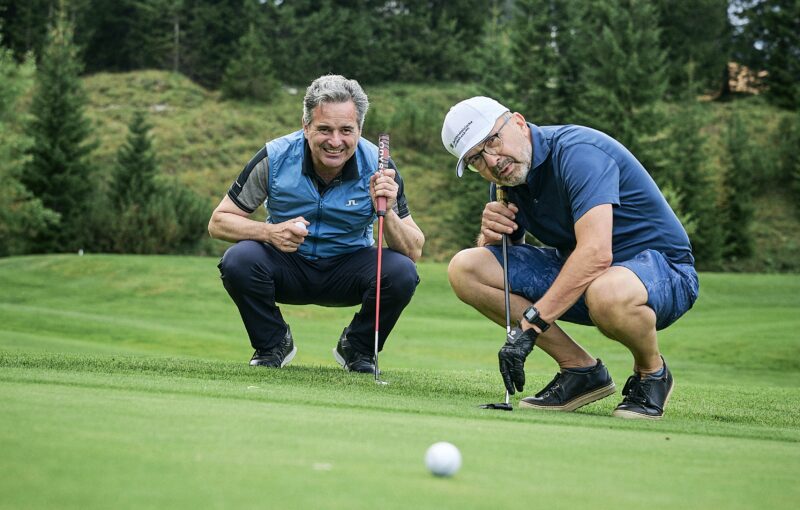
pixel 351 202
pixel 460 134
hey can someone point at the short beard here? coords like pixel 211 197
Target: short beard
pixel 517 176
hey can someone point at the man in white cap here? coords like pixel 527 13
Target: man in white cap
pixel 615 255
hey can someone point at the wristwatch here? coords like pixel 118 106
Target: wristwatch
pixel 531 314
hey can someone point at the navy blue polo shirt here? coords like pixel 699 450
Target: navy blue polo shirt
pixel 576 168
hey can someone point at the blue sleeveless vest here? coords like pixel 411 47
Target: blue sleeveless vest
pixel 341 219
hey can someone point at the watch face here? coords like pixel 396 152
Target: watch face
pixel 532 315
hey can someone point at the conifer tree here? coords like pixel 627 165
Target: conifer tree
pixel 770 40
pixel 787 139
pixel 24 25
pixel 156 34
pixel 59 171
pixel 462 218
pixel 535 61
pixel 492 55
pixel 574 17
pixel 21 214
pixel 250 73
pixel 149 214
pixel 696 36
pixel 737 204
pixel 134 180
pixel 622 71
pixel 691 177
pixel 209 37
pixel 794 179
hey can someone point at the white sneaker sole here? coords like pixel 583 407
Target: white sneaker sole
pixel 340 360
pixel 289 357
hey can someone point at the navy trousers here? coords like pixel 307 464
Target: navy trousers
pixel 257 276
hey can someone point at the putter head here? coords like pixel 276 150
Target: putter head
pixel 502 406
pixel 377 374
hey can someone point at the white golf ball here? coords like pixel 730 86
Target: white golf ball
pixel 443 459
pixel 300 224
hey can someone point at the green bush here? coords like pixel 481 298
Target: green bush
pixel 172 220
pixel 142 214
pixel 418 124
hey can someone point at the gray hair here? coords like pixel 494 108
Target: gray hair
pixel 334 88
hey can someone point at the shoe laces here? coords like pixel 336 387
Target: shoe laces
pixel 551 387
pixel 636 390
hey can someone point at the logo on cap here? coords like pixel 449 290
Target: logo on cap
pixel 460 134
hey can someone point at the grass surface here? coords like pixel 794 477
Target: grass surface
pixel 123 382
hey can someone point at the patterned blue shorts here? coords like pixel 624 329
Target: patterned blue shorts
pixel 671 288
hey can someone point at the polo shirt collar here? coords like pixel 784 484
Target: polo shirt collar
pixel 541 149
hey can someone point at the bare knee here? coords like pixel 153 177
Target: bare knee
pixel 467 271
pixel 459 271
pixel 617 292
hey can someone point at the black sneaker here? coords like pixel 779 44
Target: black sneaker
pixel 570 390
pixel 278 356
pixel 351 359
pixel 645 397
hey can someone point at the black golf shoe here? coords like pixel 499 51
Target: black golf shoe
pixel 277 357
pixel 351 359
pixel 570 390
pixel 645 397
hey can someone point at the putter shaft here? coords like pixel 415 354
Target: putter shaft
pixel 506 405
pixel 380 206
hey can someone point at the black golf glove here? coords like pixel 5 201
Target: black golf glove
pixel 512 358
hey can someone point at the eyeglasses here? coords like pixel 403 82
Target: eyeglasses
pixel 492 146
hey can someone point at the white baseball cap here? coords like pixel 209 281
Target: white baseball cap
pixel 467 124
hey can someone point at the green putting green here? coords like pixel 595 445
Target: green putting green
pixel 124 383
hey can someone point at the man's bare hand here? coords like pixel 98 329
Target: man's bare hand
pixel 289 235
pixel 384 185
pixel 496 220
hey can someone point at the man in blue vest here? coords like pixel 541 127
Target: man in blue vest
pixel 319 187
pixel 616 256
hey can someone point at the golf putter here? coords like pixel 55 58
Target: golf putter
pixel 506 405
pixel 383 162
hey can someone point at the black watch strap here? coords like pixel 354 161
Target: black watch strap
pixel 531 314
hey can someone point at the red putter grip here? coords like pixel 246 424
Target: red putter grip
pixel 383 164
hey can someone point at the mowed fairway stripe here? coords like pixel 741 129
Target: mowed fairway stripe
pixel 124 383
pixel 160 448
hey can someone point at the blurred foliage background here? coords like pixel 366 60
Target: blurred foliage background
pixel 123 123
